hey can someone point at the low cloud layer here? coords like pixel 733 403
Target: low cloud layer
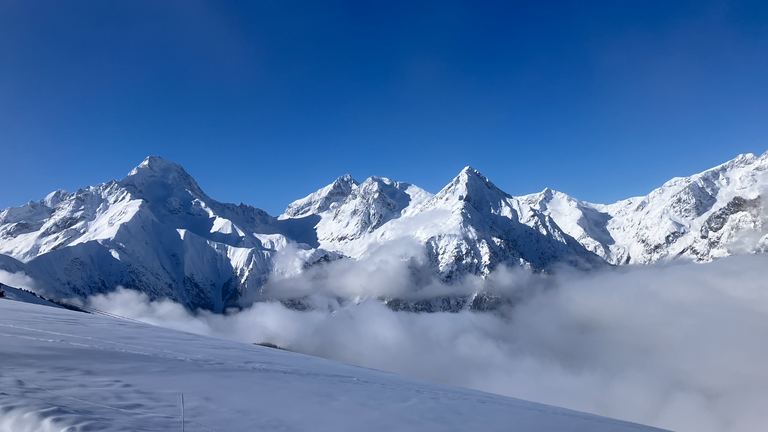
pixel 17 280
pixel 681 347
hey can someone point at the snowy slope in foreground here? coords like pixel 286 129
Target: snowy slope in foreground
pixel 64 369
pixel 11 293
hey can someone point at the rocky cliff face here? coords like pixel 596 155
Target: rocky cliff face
pixel 158 232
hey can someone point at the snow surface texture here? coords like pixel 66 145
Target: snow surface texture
pixel 71 371
pixel 157 232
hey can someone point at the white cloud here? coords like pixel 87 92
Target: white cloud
pixel 679 347
pixel 17 280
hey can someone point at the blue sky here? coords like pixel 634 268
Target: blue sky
pixel 264 102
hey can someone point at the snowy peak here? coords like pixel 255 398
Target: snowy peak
pixel 472 182
pixel 157 166
pixel 391 194
pixel 743 160
pixel 582 221
pixel 542 199
pixel 154 170
pixel 63 219
pixel 345 181
pixel 154 231
pixel 322 200
pixel 365 208
pixel 55 198
pixel 482 227
pixel 672 221
pixel 469 188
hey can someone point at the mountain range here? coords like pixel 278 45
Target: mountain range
pixel 156 231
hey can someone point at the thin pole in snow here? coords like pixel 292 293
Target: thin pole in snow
pixel 182 412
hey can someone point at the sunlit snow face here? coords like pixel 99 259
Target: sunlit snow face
pixel 680 347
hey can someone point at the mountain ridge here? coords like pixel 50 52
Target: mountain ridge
pixel 157 231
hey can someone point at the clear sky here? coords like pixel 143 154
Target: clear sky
pixel 264 102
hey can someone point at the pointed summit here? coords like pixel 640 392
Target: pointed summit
pixel 322 200
pixel 470 184
pixel 468 189
pixel 156 165
pixel 470 175
pixel 469 170
pixel 156 169
pixel 345 179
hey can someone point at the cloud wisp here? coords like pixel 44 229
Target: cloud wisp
pixel 17 280
pixel 679 347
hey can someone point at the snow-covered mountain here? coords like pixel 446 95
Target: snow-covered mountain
pixel 717 213
pixel 158 232
pixel 155 231
pixel 469 227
